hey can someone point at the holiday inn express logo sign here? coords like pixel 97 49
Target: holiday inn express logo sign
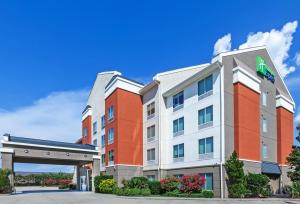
pixel 263 69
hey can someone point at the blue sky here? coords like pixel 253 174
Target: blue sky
pixel 50 51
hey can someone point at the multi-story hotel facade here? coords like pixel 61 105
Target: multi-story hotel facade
pixel 190 120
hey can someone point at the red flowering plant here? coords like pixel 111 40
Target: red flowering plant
pixel 191 183
pixel 169 184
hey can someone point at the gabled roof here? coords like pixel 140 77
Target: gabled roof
pixel 192 79
pixel 122 77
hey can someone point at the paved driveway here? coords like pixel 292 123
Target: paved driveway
pixel 67 197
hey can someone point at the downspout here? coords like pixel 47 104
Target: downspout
pixel 159 133
pixel 221 130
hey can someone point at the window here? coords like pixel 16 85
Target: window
pixel 265 126
pixel 110 113
pixel 179 176
pixel 103 141
pixel 95 127
pixel 151 133
pixel 110 157
pixel 103 122
pixel 151 154
pixel 264 99
pixel 110 135
pixel 178 126
pixel 178 100
pixel 103 159
pixel 206 148
pixel 265 151
pixel 95 142
pixel 178 151
pixel 208 181
pixel 205 86
pixel 205 117
pixel 151 177
pixel 85 132
pixel 151 110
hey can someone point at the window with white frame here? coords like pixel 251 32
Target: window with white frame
pixel 95 127
pixel 111 135
pixel 265 151
pixel 178 151
pixel 178 126
pixel 264 98
pixel 265 125
pixel 151 154
pixel 205 116
pixel 85 132
pixel 205 86
pixel 208 185
pixel 151 110
pixel 151 133
pixel 103 122
pixel 206 148
pixel 178 100
pixel 103 141
pixel 110 116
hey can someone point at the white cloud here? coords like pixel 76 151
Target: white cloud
pixel 297 59
pixel 55 117
pixel 278 43
pixel 223 44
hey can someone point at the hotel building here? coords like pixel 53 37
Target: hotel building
pixel 190 120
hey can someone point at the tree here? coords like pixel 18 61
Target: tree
pixel 294 161
pixel 236 177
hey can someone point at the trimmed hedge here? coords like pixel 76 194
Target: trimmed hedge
pixel 132 192
pixel 40 179
pixel 177 193
pixel 154 187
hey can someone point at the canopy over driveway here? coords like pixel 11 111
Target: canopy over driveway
pixel 28 150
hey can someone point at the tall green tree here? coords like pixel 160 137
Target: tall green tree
pixel 236 177
pixel 294 161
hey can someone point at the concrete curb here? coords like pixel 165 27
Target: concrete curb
pixel 202 199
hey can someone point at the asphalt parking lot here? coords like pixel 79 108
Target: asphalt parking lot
pixel 54 196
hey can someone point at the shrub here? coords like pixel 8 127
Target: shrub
pixel 258 185
pixel 169 184
pixel 136 182
pixel 207 194
pixel 193 183
pixel 154 187
pixel 294 190
pixel 237 190
pixel 40 179
pixel 4 181
pixel 132 192
pixel 98 179
pixel 177 193
pixel 107 186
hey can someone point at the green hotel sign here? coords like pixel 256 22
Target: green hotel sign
pixel 263 69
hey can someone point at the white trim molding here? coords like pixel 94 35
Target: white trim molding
pixel 86 113
pixel 282 101
pixel 122 83
pixel 243 76
pixel 7 150
pixel 49 147
pixel 97 157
